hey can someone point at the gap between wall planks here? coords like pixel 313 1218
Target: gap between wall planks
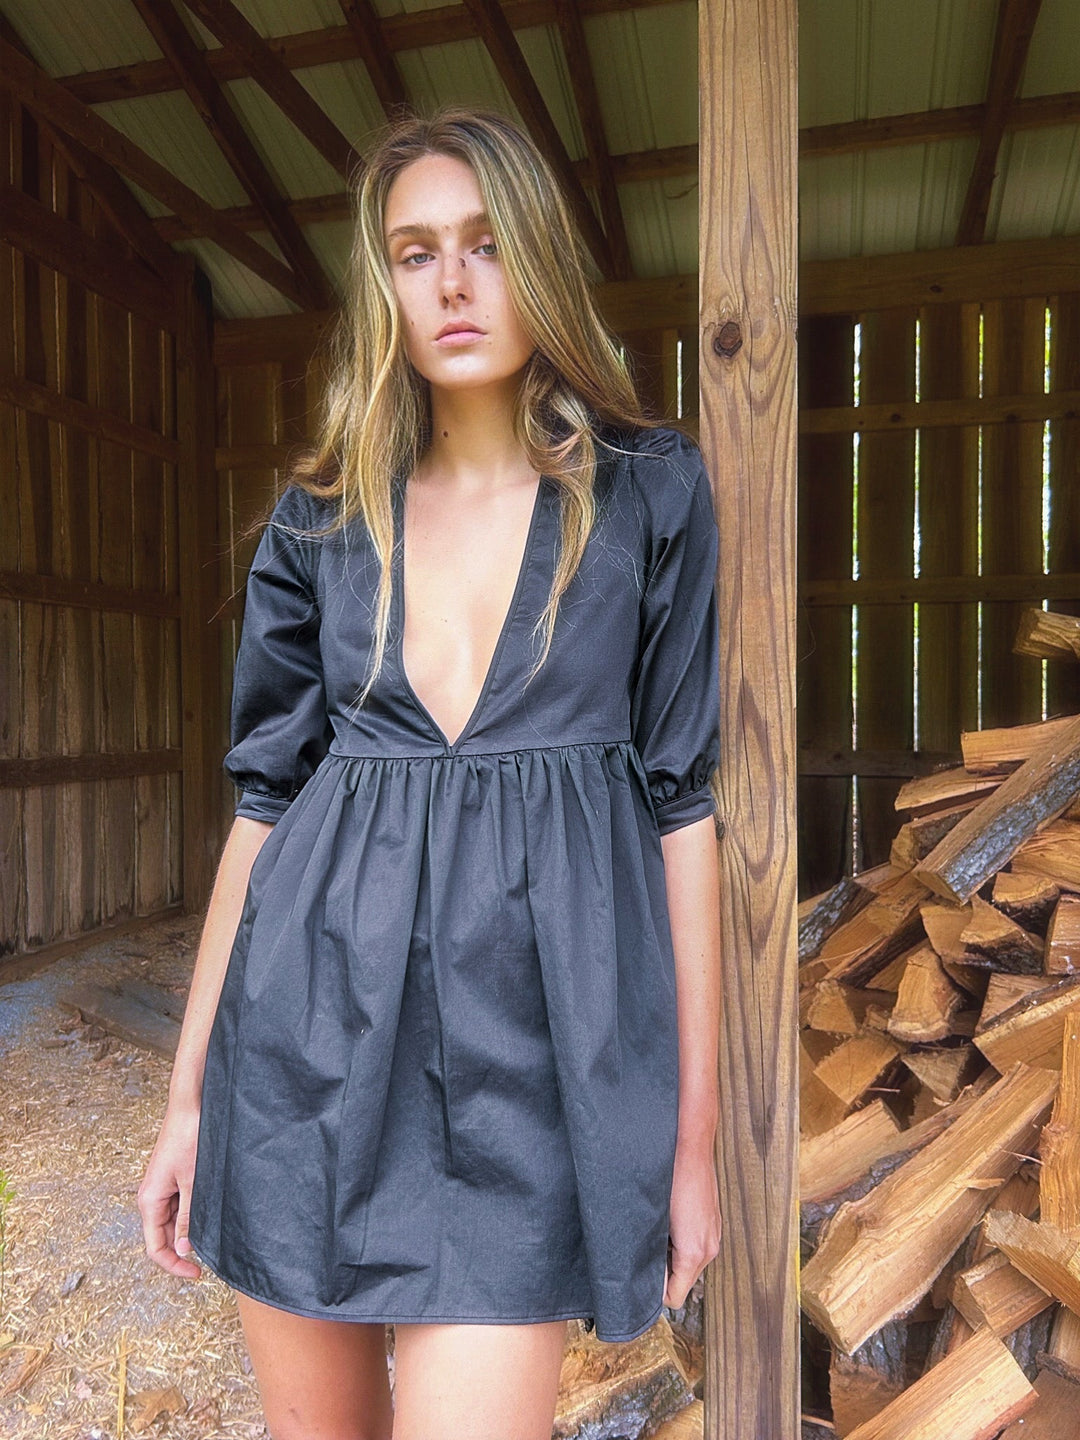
pixel 748 255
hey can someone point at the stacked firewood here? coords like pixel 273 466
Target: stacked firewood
pixel 940 1101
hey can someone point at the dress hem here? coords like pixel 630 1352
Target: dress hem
pixel 383 1318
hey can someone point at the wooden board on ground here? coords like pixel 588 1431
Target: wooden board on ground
pixel 124 1015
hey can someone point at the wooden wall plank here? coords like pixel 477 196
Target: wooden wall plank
pixel 1063 680
pixel 1013 337
pixel 884 706
pixel 948 526
pixel 824 705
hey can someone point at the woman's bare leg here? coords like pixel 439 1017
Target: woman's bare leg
pixel 318 1379
pixel 477 1381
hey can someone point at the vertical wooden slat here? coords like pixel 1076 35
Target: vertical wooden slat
pixel 826 377
pixel 948 510
pixel 1012 506
pixel 198 587
pixel 884 707
pixel 12 860
pixel 748 265
pixel 1062 678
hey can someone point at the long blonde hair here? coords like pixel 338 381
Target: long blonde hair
pixel 377 414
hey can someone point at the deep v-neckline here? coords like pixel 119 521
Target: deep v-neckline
pixel 452 746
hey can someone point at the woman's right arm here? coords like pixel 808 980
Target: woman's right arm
pixel 165 1192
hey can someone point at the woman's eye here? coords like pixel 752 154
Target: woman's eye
pixel 488 245
pixel 417 255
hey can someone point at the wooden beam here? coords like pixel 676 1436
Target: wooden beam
pixel 38 231
pixel 40 400
pixel 365 27
pixel 583 83
pixel 941 590
pixel 110 192
pixel 330 46
pixel 1012 40
pixel 856 284
pixel 920 414
pixel 81 769
pixel 748 268
pixel 171 35
pixel 497 34
pixel 31 962
pixel 86 594
pixel 259 59
pixel 32 87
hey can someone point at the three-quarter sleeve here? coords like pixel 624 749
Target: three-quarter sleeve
pixel 279 728
pixel 675 699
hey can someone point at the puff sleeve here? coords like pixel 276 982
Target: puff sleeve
pixel 279 728
pixel 675 697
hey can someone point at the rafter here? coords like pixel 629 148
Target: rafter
pixel 583 83
pixel 176 44
pixel 408 31
pixel 367 33
pixel 110 192
pixel 1012 39
pixel 495 31
pixel 259 59
pixel 47 99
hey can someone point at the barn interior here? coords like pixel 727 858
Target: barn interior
pixel 898 492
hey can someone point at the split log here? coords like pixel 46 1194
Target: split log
pixel 943 789
pixel 1047 634
pixel 1004 991
pixel 1053 1415
pixel 1041 1251
pixel 997 752
pixel 889 925
pixel 819 1108
pixel 944 1071
pixel 853 1067
pixel 845 1010
pixel 1065 1338
pixel 926 1002
pixel 879 1254
pixel 995 1293
pixel 991 939
pixel 918 836
pixel 1059 1145
pixel 819 916
pixel 1027 899
pixel 1063 937
pixel 831 1162
pixel 606 1388
pixel 688 1424
pixel 861 1385
pixel 1031 1029
pixel 970 1395
pixel 944 924
pixel 989 835
pixel 1053 852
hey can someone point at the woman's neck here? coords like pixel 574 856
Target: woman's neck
pixel 473 445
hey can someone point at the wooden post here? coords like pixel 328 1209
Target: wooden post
pixel 748 258
pixel 199 590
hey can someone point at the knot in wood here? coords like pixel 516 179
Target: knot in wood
pixel 728 339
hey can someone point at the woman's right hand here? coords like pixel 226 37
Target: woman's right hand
pixel 165 1191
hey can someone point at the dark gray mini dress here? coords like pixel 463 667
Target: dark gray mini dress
pixel 442 1078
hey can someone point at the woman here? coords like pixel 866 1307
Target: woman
pixel 449 1056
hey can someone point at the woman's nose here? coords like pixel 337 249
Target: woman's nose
pixel 454 277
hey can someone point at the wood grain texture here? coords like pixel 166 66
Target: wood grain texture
pixel 748 260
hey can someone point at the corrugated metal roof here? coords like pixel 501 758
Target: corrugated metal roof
pixel 858 59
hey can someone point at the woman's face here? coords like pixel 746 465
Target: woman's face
pixel 446 273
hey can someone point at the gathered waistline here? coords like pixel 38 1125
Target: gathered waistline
pixel 620 744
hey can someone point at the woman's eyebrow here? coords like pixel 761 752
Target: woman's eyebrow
pixel 476 221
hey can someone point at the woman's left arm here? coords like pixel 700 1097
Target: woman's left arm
pixel 692 871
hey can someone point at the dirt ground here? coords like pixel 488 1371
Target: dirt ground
pixel 85 1316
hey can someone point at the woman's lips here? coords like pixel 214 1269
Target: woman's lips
pixel 459 337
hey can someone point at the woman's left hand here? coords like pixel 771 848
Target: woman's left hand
pixel 695 1219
